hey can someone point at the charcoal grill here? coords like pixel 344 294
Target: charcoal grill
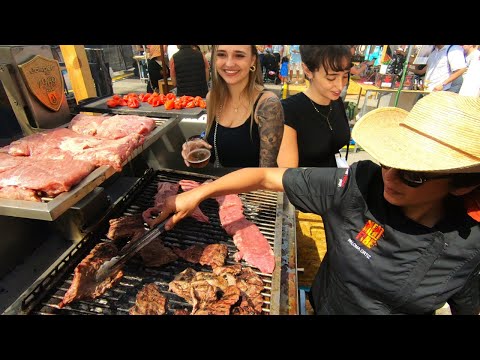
pixel 268 210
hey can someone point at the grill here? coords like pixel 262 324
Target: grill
pixel 264 208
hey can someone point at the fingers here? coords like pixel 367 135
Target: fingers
pixel 206 144
pixel 173 221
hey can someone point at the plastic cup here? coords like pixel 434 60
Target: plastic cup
pixel 197 154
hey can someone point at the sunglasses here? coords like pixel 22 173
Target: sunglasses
pixel 415 179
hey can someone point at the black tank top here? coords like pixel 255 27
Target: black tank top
pixel 235 145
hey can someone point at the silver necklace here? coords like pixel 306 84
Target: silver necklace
pixel 326 117
pixel 216 163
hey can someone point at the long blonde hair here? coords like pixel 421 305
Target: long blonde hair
pixel 219 88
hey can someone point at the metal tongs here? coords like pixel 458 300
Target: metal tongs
pixel 115 264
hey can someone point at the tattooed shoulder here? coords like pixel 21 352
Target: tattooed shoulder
pixel 270 126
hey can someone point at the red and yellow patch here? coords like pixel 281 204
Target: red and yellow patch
pixel 370 234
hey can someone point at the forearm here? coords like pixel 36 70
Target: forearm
pixel 454 76
pixel 288 154
pixel 243 180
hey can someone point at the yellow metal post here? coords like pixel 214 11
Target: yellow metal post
pixel 76 62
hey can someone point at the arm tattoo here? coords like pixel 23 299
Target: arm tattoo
pixel 270 127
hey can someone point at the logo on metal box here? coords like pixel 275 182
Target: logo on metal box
pixel 44 80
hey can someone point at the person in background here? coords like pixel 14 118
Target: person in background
pixel 171 50
pixel 277 52
pixel 316 125
pixel 355 70
pixel 402 237
pixel 445 64
pixel 261 52
pixel 155 69
pixel 189 71
pixel 471 78
pixel 244 122
pixel 284 69
pixel 295 63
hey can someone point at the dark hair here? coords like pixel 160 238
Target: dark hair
pixel 285 59
pixel 331 57
pixel 465 180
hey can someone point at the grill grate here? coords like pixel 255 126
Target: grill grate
pixel 259 207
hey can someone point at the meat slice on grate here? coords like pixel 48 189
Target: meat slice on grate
pixel 251 286
pixel 214 255
pixel 197 214
pixel 181 312
pixel 125 226
pixel 149 301
pixel 220 304
pixel 84 284
pixel 181 284
pixel 164 190
pixel 191 254
pixel 250 242
pixel 156 253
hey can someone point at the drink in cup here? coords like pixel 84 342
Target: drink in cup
pixel 197 154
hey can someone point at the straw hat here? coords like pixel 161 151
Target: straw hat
pixel 441 133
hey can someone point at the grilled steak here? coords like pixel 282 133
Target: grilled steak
pixel 251 286
pixel 149 301
pixel 157 254
pixel 191 254
pixel 214 255
pixel 180 285
pixel 125 226
pixel 213 305
pixel 84 284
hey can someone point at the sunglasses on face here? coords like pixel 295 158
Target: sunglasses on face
pixel 415 179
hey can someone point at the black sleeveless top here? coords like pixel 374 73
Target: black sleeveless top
pixel 235 145
pixel 317 144
pixel 190 73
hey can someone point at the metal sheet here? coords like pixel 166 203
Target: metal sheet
pixel 99 105
pixel 52 209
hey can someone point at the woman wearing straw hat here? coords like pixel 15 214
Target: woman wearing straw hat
pixel 403 237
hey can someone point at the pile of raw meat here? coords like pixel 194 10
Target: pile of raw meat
pixel 51 162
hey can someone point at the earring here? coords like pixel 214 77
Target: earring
pixel 253 68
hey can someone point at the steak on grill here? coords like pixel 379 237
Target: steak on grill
pixel 149 301
pixel 125 226
pixel 191 254
pixel 214 255
pixel 84 284
pixel 156 253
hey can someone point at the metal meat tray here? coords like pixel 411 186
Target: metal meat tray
pixel 99 105
pixel 51 208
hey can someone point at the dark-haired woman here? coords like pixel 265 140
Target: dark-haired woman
pixel 316 125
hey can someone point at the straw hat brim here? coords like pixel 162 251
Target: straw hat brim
pixel 380 133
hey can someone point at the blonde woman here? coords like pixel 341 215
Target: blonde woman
pixel 244 121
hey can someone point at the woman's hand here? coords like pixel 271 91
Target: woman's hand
pixel 185 150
